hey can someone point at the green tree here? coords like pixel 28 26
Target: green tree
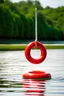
pixel 1 1
pixel 17 20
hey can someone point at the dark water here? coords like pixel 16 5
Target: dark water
pixel 13 64
pixel 3 41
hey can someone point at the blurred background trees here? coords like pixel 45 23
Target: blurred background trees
pixel 17 21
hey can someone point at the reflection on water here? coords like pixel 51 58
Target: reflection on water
pixel 34 87
pixel 13 64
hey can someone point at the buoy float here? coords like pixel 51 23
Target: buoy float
pixel 37 75
pixel 42 49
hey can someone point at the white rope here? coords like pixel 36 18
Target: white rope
pixel 36 38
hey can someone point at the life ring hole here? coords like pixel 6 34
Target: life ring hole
pixel 35 53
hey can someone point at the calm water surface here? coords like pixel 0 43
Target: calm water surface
pixel 13 64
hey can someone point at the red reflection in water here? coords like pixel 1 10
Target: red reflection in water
pixel 34 87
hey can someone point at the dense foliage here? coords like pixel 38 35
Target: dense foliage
pixel 17 21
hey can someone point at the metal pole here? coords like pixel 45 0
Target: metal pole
pixel 36 24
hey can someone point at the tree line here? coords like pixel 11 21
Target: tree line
pixel 17 21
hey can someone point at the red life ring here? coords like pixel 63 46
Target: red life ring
pixel 42 56
pixel 37 75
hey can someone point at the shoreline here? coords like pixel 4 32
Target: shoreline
pixel 8 47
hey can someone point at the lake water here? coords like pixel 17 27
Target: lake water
pixel 13 64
